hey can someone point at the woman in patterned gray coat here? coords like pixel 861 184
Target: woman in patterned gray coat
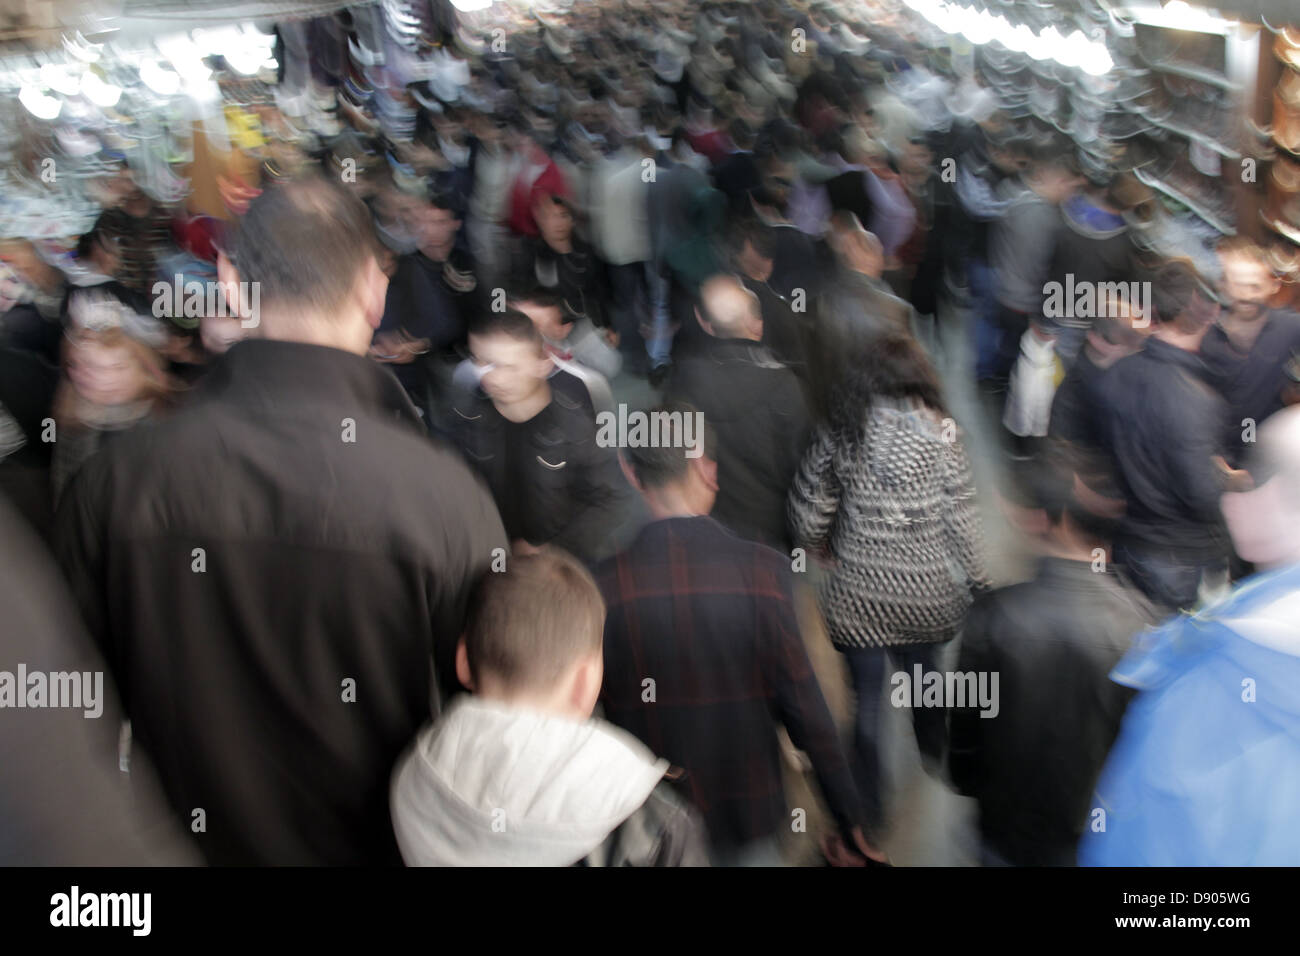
pixel 884 494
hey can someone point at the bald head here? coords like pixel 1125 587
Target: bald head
pixel 1265 522
pixel 728 310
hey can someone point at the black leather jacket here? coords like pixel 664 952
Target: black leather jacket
pixel 1033 765
pixel 563 488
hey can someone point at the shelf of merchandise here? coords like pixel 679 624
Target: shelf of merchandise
pixel 1163 187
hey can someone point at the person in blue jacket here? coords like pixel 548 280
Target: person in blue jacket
pixel 1206 770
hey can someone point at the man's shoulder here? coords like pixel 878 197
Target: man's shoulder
pixel 707 544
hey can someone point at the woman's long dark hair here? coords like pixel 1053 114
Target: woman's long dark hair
pixel 892 366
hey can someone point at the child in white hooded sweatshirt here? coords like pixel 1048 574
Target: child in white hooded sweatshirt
pixel 520 774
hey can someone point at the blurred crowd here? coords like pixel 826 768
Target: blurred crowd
pixel 361 565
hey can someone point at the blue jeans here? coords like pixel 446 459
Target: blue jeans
pixel 867 666
pixel 659 343
pixel 985 333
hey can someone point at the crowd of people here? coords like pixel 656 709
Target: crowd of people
pixel 372 588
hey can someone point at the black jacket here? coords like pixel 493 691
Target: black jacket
pixel 66 802
pixel 1033 765
pixel 268 573
pixel 552 482
pixel 1251 382
pixel 429 300
pixel 579 277
pixel 757 409
pixel 1162 430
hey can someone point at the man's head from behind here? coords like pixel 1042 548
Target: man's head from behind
pixel 1183 307
pixel 728 310
pixel 1068 518
pixel 675 470
pixel 534 636
pixel 310 248
pixel 546 309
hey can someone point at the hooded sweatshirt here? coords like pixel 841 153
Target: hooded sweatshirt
pixel 495 785
pixel 1206 770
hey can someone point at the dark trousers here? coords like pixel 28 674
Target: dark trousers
pixel 867 667
pixel 630 294
pixel 1171 579
pixel 1011 327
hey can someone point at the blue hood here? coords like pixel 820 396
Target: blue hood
pixel 1206 770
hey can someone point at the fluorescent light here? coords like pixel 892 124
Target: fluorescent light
pixel 981 26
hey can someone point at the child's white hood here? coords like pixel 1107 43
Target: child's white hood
pixel 490 785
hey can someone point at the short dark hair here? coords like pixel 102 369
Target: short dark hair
pixel 657 467
pixel 304 242
pixel 440 199
pixel 759 235
pixel 539 295
pixel 528 624
pixel 1174 289
pixel 1049 484
pixel 511 323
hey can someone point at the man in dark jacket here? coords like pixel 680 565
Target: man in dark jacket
pixel 855 306
pixel 783 303
pixel 1161 428
pixel 756 406
pixel 537 446
pixel 1093 247
pixel 430 298
pixel 271 572
pixel 1248 349
pixel 703 657
pixel 546 784
pixel 1032 764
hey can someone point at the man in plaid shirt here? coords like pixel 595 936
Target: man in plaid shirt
pixel 703 658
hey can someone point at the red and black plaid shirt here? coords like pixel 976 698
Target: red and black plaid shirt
pixel 709 619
